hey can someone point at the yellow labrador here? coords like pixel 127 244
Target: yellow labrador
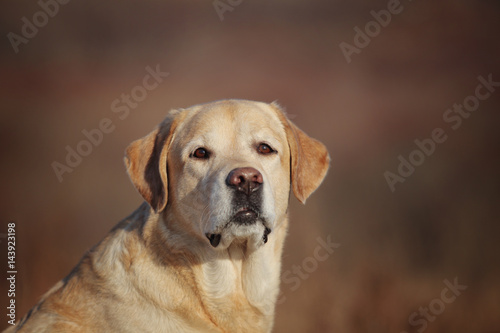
pixel 203 253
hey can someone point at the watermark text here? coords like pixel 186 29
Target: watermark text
pixel 120 106
pixel 452 116
pixel 11 272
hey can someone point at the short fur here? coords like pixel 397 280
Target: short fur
pixel 156 271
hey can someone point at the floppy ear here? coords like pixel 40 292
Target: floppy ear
pixel 309 159
pixel 146 162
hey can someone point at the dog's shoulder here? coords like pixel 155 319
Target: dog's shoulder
pixel 73 299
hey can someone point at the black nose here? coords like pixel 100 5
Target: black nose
pixel 246 180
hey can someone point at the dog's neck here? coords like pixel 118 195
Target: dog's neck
pixel 229 282
pixel 231 290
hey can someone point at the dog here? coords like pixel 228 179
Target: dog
pixel 203 252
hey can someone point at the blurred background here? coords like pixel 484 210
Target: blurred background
pixel 395 249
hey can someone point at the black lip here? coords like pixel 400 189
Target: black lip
pixel 267 231
pixel 245 216
pixel 214 239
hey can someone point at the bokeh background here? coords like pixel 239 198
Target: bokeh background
pixel 396 248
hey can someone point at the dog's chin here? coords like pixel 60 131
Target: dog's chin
pixel 243 229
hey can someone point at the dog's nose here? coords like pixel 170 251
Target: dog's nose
pixel 246 180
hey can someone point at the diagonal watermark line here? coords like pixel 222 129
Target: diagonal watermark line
pixel 453 116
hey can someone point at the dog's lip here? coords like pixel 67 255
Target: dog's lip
pixel 244 210
pixel 214 239
pixel 246 213
pixel 267 231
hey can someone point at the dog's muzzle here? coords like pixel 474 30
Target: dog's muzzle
pixel 246 184
pixel 247 188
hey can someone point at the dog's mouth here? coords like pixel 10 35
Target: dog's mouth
pixel 245 215
pixel 216 238
pixel 245 223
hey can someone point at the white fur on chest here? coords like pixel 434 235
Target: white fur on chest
pixel 251 278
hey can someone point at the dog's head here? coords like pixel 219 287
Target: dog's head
pixel 224 169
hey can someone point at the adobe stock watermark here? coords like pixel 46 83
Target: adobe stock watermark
pixel 363 37
pixel 30 28
pixel 437 306
pixel 293 278
pixel 11 272
pixel 223 6
pixel 121 107
pixel 453 116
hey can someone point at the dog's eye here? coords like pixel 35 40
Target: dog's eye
pixel 265 149
pixel 200 153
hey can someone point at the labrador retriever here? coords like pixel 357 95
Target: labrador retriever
pixel 203 252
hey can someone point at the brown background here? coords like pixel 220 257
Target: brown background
pixel 396 248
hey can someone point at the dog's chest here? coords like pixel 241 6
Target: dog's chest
pixel 240 290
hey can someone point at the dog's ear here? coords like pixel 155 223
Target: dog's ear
pixel 309 159
pixel 146 162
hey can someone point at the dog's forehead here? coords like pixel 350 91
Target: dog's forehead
pixel 228 118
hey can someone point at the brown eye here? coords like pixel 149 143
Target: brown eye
pixel 265 149
pixel 200 153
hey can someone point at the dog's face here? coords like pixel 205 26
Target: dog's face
pixel 224 169
pixel 229 171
